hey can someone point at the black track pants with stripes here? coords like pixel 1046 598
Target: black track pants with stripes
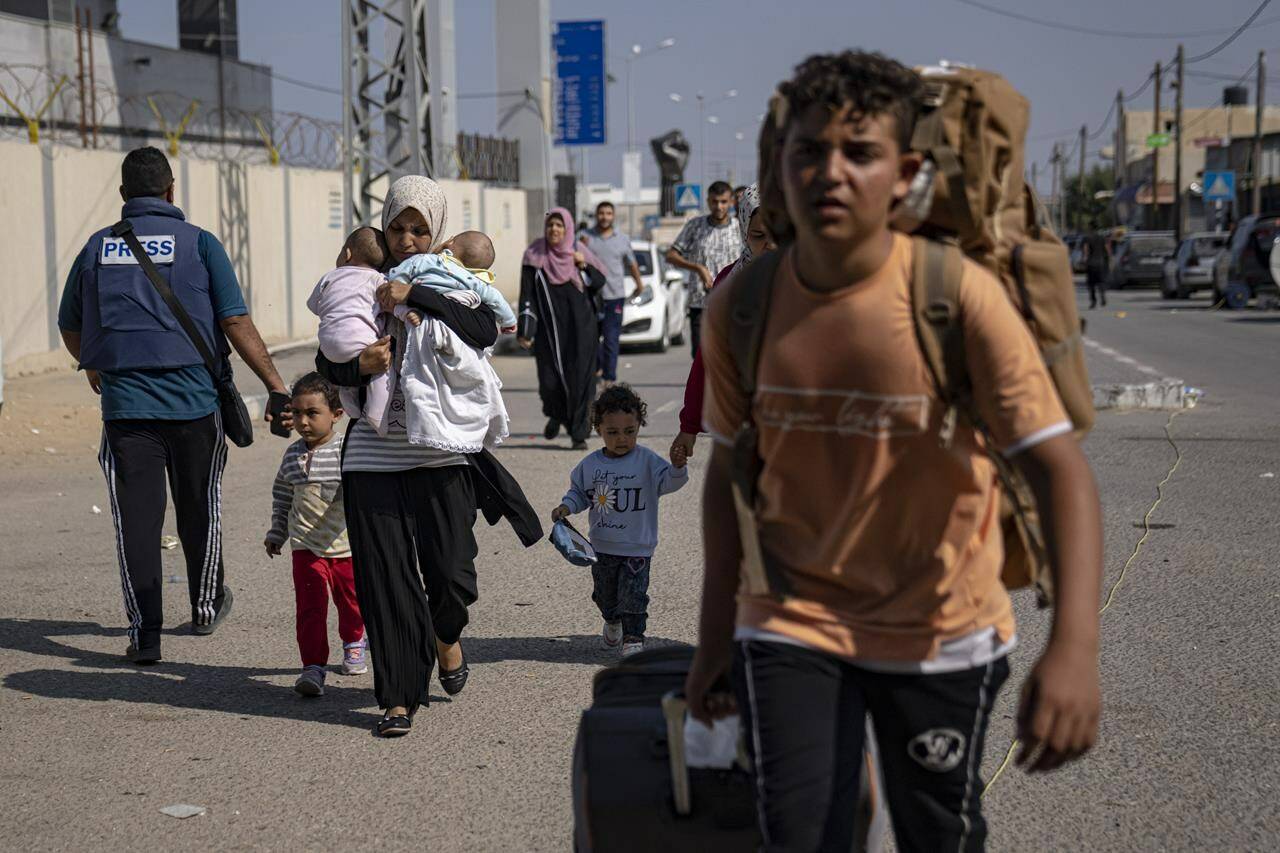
pixel 138 458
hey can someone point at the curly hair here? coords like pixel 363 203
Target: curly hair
pixel 618 398
pixel 868 83
pixel 314 383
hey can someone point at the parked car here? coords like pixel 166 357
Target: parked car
pixel 1192 266
pixel 1244 268
pixel 1139 256
pixel 657 317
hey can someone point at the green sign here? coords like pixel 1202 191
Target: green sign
pixel 1157 140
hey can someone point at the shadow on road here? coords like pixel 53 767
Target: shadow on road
pixel 575 648
pixel 227 689
pixel 1263 320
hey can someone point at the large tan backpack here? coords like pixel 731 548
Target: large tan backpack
pixel 970 197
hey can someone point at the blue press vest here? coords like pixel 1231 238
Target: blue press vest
pixel 126 324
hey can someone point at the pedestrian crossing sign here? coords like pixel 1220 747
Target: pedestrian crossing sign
pixel 688 197
pixel 1219 186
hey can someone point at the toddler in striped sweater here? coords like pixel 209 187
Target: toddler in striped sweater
pixel 306 510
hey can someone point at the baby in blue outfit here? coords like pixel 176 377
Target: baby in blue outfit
pixel 463 264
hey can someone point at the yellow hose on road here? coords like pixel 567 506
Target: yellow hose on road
pixel 1124 571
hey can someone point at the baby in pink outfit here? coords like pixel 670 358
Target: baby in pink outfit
pixel 345 302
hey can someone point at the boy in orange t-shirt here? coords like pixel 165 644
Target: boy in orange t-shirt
pixel 889 537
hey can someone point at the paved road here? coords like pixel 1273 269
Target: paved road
pixel 91 748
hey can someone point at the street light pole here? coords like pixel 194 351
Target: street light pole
pixel 637 52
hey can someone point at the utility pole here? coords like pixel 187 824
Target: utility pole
pixel 1178 208
pixel 1055 190
pixel 1080 202
pixel 1122 143
pixel 1257 132
pixel 1154 223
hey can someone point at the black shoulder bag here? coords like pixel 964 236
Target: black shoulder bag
pixel 236 422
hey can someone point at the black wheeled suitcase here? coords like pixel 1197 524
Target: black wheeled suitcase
pixel 631 789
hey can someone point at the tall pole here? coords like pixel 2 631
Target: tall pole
pixel 93 78
pixel 1121 159
pixel 1054 191
pixel 1080 202
pixel 1034 176
pixel 1257 132
pixel 84 135
pixel 1179 208
pixel 1154 224
pixel 222 107
pixel 702 148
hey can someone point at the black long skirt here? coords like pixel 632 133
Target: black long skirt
pixel 413 554
pixel 567 349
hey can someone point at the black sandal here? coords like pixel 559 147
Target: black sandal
pixel 394 726
pixel 453 680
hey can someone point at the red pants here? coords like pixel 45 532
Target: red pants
pixel 314 578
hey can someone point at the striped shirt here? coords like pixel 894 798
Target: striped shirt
pixel 368 451
pixel 306 500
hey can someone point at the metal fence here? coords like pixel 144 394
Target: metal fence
pixel 38 105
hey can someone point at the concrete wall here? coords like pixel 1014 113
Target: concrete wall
pixel 125 72
pixel 281 227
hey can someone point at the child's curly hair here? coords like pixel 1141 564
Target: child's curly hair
pixel 869 83
pixel 314 383
pixel 618 398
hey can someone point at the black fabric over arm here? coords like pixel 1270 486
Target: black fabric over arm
pixel 477 326
pixel 344 375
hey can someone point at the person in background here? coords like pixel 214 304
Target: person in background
pixel 613 248
pixel 706 245
pixel 1097 258
pixel 559 322
pixel 755 241
pixel 161 424
pixel 876 587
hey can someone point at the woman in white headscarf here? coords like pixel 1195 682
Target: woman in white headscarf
pixel 755 241
pixel 410 508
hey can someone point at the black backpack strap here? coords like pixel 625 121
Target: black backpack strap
pixel 124 228
pixel 748 317
pixel 937 269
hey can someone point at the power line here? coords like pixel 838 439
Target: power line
pixel 1229 39
pixel 303 83
pixel 1018 16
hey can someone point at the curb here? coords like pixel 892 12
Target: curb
pixel 1167 393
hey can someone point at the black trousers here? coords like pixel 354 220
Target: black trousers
pixel 695 331
pixel 805 715
pixel 413 555
pixel 138 458
pixel 1096 279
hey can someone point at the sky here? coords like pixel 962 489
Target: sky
pixel 1070 78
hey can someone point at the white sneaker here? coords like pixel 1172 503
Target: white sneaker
pixel 612 635
pixel 631 645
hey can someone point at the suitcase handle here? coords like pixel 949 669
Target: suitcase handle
pixel 675 709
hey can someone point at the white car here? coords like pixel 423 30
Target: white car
pixel 658 316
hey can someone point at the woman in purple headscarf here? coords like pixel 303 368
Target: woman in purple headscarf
pixel 559 321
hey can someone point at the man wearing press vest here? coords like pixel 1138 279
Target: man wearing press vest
pixel 162 423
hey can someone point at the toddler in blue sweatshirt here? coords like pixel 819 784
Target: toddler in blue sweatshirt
pixel 621 484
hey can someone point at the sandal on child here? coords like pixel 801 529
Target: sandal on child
pixel 397 725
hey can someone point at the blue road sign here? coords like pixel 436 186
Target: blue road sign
pixel 1219 186
pixel 580 82
pixel 688 197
